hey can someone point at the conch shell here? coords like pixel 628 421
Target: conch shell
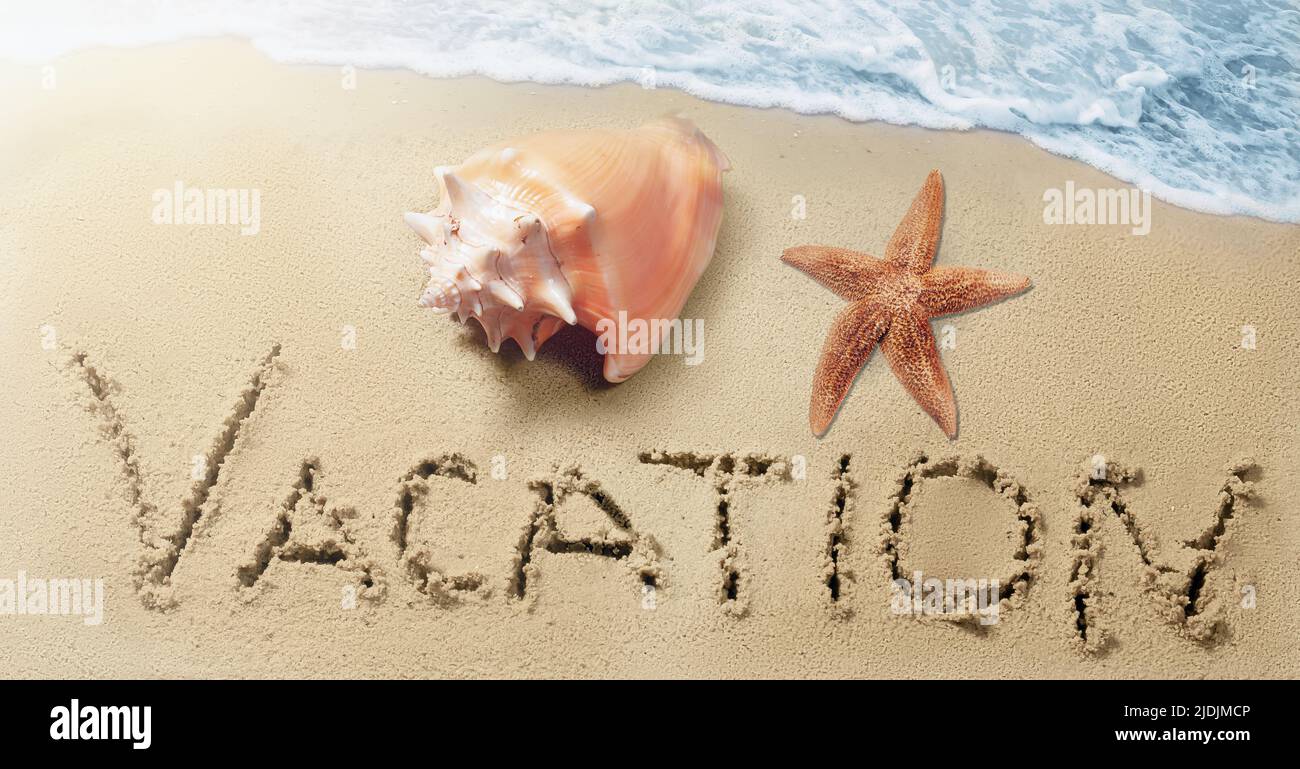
pixel 574 227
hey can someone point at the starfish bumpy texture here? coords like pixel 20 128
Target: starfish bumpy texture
pixel 891 302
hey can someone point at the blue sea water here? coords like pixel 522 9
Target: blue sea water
pixel 1197 101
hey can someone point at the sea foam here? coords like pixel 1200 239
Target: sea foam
pixel 1198 102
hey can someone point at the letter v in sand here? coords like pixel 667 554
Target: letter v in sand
pixel 163 550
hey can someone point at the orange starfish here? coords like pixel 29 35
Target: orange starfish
pixel 893 301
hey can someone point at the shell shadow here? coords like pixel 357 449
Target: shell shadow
pixel 572 348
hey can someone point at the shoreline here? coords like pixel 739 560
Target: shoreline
pixel 1128 346
pixel 1163 192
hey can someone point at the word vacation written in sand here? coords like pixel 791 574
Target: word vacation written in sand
pixel 1186 585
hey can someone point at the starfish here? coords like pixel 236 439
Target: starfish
pixel 892 302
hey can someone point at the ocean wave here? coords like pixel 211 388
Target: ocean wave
pixel 1197 101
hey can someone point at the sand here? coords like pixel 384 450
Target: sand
pixel 371 491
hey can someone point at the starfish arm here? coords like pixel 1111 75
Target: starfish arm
pixel 913 244
pixel 946 290
pixel 910 349
pixel 852 338
pixel 847 273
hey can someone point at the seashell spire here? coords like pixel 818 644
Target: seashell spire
pixel 467 276
pixel 572 228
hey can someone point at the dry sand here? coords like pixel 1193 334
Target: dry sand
pixel 166 342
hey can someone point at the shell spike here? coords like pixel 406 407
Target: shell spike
pixel 525 342
pixel 506 295
pixel 521 327
pixel 426 226
pixel 492 328
pixel 553 300
pixel 462 195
